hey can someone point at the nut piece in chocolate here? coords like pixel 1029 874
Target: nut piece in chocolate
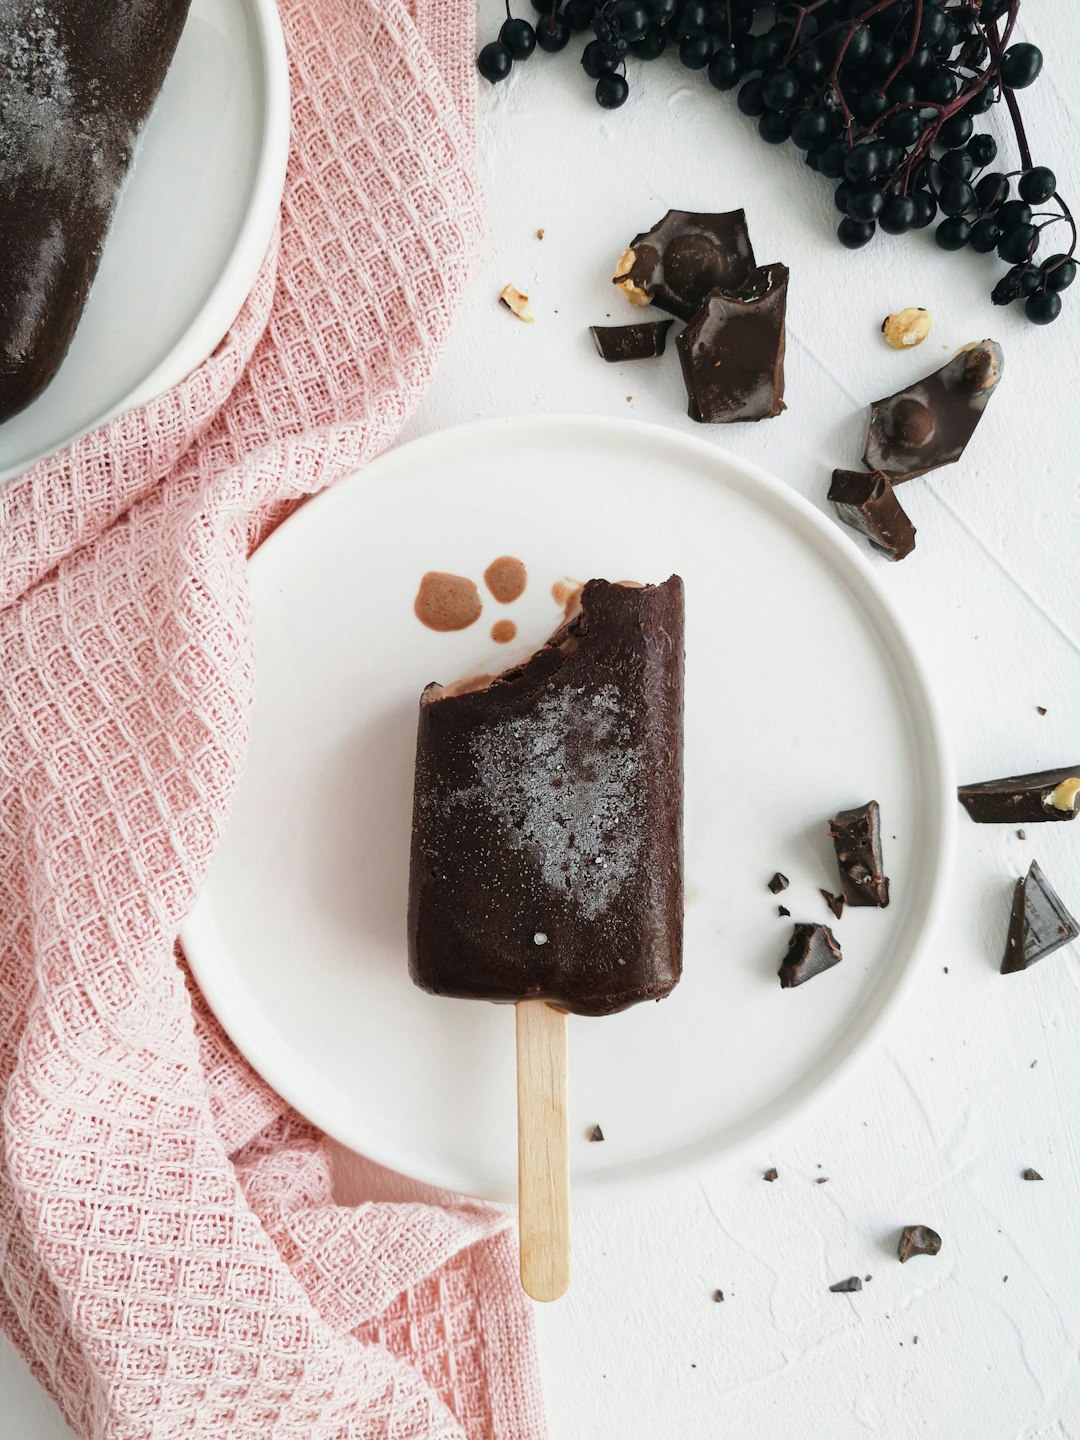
pixel 1039 923
pixel 616 343
pixel 683 257
pixel 1041 796
pixel 929 424
pixel 917 1240
pixel 813 949
pixel 732 352
pixel 856 837
pixel 868 504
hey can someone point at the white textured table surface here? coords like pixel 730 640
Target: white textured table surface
pixel 980 1077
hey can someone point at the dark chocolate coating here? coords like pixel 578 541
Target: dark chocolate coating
pixel 856 836
pixel 868 504
pixel 1018 798
pixel 616 343
pixel 732 353
pixel 1039 923
pixel 930 423
pixel 686 255
pixel 77 81
pixel 813 949
pixel 547 816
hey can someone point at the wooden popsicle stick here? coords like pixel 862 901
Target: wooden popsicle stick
pixel 543 1152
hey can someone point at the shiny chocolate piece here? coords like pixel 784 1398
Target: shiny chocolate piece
pixel 677 262
pixel 813 949
pixel 856 836
pixel 1041 796
pixel 778 882
pixel 1030 1174
pixel 547 820
pixel 616 343
pixel 732 353
pixel 77 82
pixel 868 504
pixel 929 424
pixel 834 902
pixel 917 1240
pixel 1039 923
pixel 846 1287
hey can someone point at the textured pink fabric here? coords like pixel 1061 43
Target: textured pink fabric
pixel 171 1260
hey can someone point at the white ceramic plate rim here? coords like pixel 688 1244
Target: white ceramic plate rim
pixel 233 285
pixel 226 996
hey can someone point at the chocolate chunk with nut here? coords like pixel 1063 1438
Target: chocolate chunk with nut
pixel 813 949
pixel 856 837
pixel 1039 923
pixel 1041 796
pixel 868 503
pixel 930 423
pixel 677 262
pixel 917 1240
pixel 732 352
pixel 616 343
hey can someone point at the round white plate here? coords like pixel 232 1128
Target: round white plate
pixel 803 696
pixel 189 234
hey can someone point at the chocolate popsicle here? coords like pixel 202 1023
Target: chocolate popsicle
pixel 77 81
pixel 547 820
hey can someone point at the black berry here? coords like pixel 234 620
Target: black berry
pixel 611 91
pixel 955 131
pixel 750 100
pixel 1043 307
pixel 925 209
pixel 494 61
pixel 861 163
pixel 695 51
pixel 985 235
pixel 958 164
pixel 519 37
pixel 992 190
pixel 809 128
pixel 865 202
pixel 553 34
pixel 1059 272
pixel 780 89
pixel 953 233
pixel 725 68
pixel 1016 243
pixel 898 215
pixel 1021 66
pixel 598 59
pixel 955 196
pixel 633 19
pixel 651 45
pixel 1013 212
pixel 579 14
pixel 903 128
pixel 774 127
pixel 854 234
pixel 983 150
pixel 1037 185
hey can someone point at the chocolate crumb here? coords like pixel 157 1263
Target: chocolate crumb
pixel 778 882
pixel 1021 834
pixel 834 902
pixel 1033 1064
pixel 945 968
pixel 718 1296
pixel 822 1180
pixel 846 1287
pixel 1041 709
pixel 1030 1174
pixel 540 234
pixel 868 1277
pixel 596 1133
pixel 914 1340
pixel 917 1240
pixel 772 1174
pixel 782 910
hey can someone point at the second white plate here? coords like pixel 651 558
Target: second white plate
pixel 803 696
pixel 189 233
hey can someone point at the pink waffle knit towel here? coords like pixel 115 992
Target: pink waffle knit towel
pixel 171 1261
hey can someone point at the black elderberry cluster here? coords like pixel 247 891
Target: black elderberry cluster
pixel 882 96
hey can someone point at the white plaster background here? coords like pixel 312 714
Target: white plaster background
pixel 981 1075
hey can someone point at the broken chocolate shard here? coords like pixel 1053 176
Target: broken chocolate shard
pixel 1030 1174
pixel 782 910
pixel 821 1180
pixel 1041 796
pixel 813 949
pixel 834 902
pixel 856 836
pixel 1039 923
pixel 778 882
pixel 596 1134
pixel 616 343
pixel 718 1296
pixel 772 1174
pixel 930 423
pixel 868 504
pixel 683 257
pixel 732 352
pixel 1041 709
pixel 917 1240
pixel 846 1287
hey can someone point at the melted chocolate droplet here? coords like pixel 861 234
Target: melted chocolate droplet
pixel 447 602
pixel 505 578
